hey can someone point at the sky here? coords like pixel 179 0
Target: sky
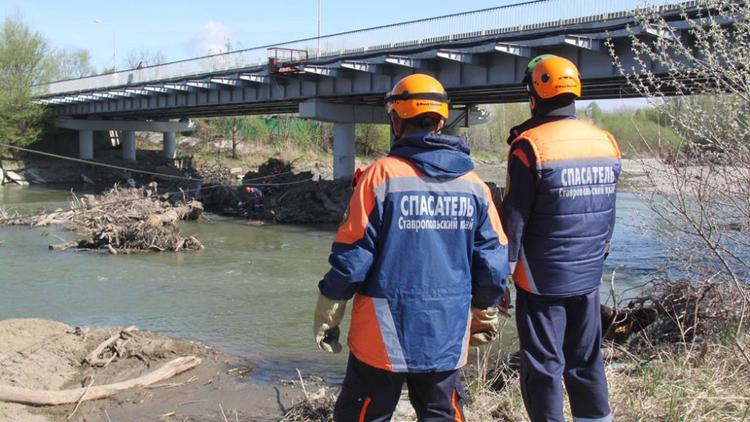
pixel 189 28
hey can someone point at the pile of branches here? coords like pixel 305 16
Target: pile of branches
pixel 317 409
pixel 288 197
pixel 273 166
pixel 121 220
pixel 216 173
pixel 316 202
pixel 314 407
pixel 679 313
pixel 295 198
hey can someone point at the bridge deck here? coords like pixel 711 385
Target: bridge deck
pixel 479 56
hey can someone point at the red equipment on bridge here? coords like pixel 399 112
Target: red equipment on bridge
pixel 284 60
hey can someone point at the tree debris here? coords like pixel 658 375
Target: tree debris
pixel 93 358
pixel 53 398
pixel 686 313
pixel 119 221
pixel 287 197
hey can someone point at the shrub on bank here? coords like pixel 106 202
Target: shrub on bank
pixel 685 365
pixel 642 132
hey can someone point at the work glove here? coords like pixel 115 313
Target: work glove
pixel 485 326
pixel 328 316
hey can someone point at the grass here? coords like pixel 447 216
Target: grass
pixel 709 385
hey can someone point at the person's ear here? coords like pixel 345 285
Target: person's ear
pixel 395 123
pixel 440 126
pixel 532 102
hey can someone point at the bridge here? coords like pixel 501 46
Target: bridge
pixel 479 56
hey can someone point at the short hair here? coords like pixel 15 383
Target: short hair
pixel 424 123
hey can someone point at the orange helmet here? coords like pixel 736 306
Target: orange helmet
pixel 417 95
pixel 552 76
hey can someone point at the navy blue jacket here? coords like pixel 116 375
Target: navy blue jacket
pixel 421 242
pixel 559 205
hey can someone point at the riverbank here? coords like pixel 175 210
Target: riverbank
pixel 40 354
pixel 678 351
pixel 638 174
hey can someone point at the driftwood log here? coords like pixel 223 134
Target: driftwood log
pixel 54 398
pixel 93 358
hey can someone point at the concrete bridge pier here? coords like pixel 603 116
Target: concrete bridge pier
pixel 126 130
pixel 345 116
pixel 86 144
pixel 343 150
pixel 127 143
pixel 169 149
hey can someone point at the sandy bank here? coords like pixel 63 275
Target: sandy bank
pixel 47 355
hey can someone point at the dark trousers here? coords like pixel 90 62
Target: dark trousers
pixel 371 394
pixel 561 340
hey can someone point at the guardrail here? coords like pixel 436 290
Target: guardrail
pixel 529 15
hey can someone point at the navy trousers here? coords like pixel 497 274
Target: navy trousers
pixel 371 394
pixel 561 340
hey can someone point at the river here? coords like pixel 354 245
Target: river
pixel 251 292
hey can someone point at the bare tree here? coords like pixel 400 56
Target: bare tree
pixel 142 57
pixel 700 191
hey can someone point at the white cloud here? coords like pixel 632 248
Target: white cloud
pixel 211 38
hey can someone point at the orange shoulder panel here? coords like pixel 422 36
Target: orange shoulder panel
pixel 570 139
pixel 492 213
pixel 363 200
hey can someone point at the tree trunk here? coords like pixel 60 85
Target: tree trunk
pixel 234 140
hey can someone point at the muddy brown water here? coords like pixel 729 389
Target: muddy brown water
pixel 251 292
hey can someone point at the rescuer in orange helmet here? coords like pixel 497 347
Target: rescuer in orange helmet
pixel 418 102
pixel 422 251
pixel 559 213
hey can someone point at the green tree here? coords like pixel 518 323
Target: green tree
pixel 492 136
pixel 594 113
pixel 639 133
pixel 230 126
pixel 372 139
pixel 70 64
pixel 23 63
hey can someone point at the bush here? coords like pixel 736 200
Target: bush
pixel 373 139
pixel 638 133
pixel 492 136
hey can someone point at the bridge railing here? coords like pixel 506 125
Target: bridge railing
pixel 487 22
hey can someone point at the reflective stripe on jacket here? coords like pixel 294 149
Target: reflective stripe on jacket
pixel 418 250
pixel 570 215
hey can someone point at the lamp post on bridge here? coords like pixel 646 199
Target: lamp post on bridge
pixel 319 15
pixel 114 45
